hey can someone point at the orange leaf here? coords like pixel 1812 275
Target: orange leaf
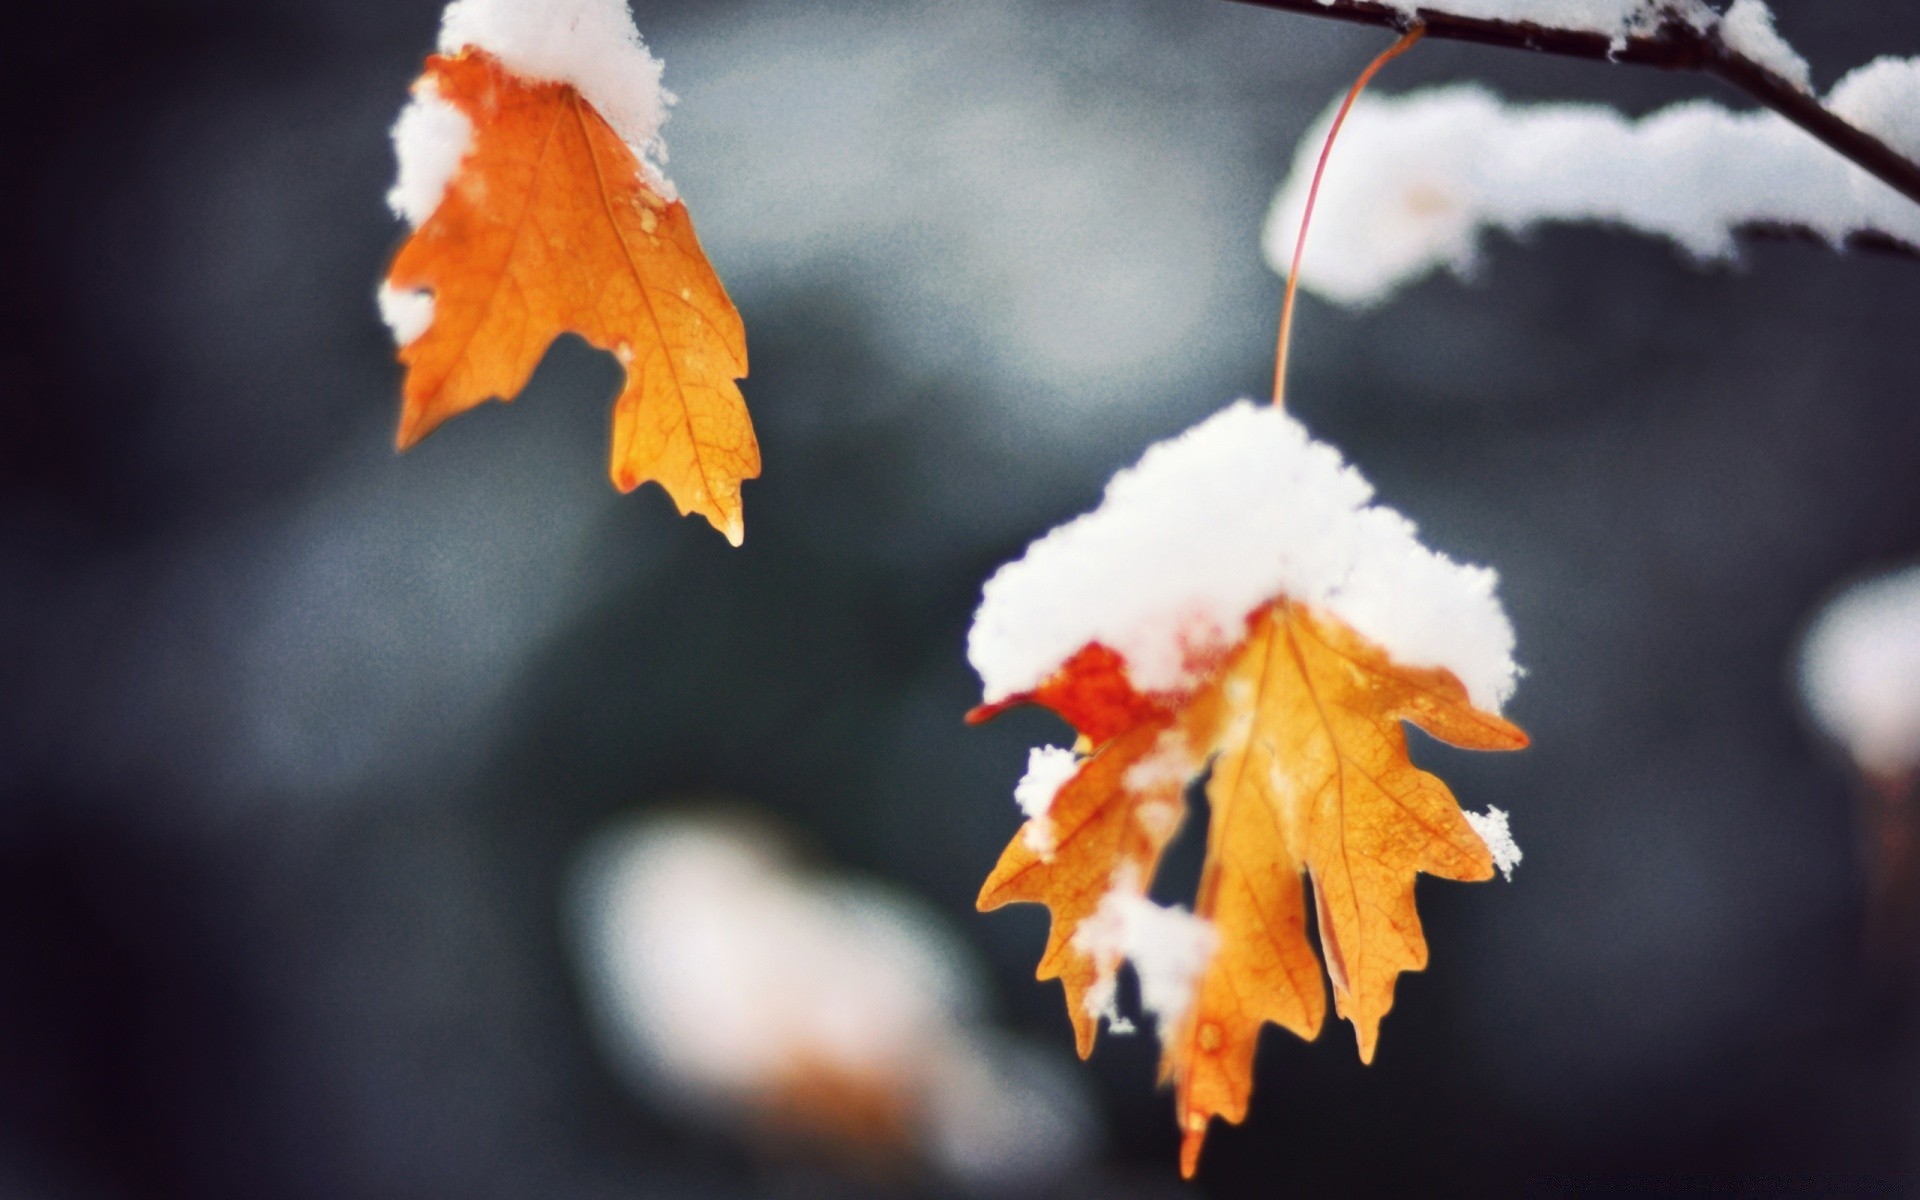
pixel 1102 833
pixel 1310 785
pixel 549 227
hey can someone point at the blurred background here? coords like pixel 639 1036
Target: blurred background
pixel 303 742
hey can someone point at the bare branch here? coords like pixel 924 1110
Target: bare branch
pixel 1675 46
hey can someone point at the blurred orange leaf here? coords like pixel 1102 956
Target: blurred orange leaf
pixel 549 227
pixel 1310 786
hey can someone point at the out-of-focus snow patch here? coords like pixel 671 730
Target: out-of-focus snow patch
pixel 1030 214
pixel 1493 830
pixel 727 984
pixel 1168 947
pixel 1747 30
pixel 430 137
pixel 1208 527
pixel 1048 769
pixel 1860 673
pixel 1415 180
pixel 591 44
pixel 1002 1119
pixel 1883 98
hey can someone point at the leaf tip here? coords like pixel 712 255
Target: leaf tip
pixel 989 897
pixel 1367 1031
pixel 408 435
pixel 980 714
pixel 1085 1027
pixel 1191 1140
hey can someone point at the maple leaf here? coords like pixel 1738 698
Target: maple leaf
pixel 1310 777
pixel 549 226
pixel 1206 618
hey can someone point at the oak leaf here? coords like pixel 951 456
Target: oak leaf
pixel 1310 786
pixel 550 226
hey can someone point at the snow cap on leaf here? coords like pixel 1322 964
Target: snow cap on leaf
pixel 590 44
pixel 1207 528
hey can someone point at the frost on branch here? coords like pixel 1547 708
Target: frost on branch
pixel 1417 179
pixel 1237 608
pixel 1860 673
pixel 1883 98
pixel 1207 528
pixel 1747 30
pixel 1617 19
pixel 733 988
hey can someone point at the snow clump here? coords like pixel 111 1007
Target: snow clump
pixel 1048 769
pixel 590 44
pixel 430 138
pixel 1883 98
pixel 1207 528
pixel 1747 30
pixel 1860 673
pixel 406 313
pixel 1492 828
pixel 1168 947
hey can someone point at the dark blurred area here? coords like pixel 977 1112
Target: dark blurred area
pixel 300 737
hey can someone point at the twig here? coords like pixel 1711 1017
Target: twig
pixel 1674 46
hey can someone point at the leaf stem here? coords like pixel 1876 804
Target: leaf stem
pixel 1407 39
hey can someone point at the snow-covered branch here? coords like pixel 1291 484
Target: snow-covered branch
pixel 1420 176
pixel 1681 35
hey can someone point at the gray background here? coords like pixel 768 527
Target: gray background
pixel 299 736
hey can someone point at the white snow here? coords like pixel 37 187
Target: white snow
pixel 1492 828
pixel 716 971
pixel 407 314
pixel 1747 30
pixel 430 138
pixel 731 967
pixel 1168 947
pixel 1208 527
pixel 1048 769
pixel 1883 98
pixel 1860 672
pixel 591 44
pixel 1414 180
pixel 1617 19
